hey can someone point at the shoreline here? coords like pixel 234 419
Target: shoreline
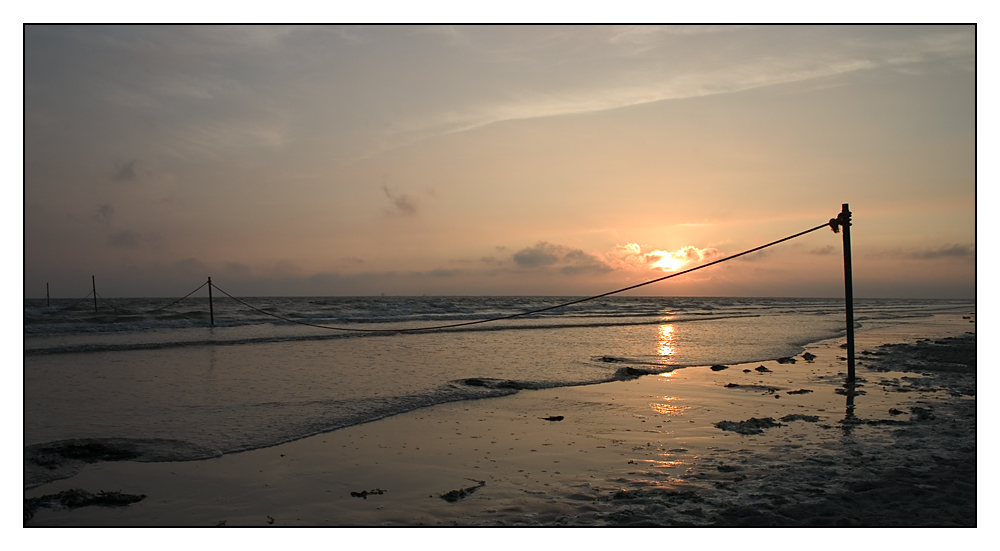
pixel 640 452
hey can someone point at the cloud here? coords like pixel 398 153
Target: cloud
pixel 104 213
pixel 189 266
pixel 947 251
pixel 401 204
pixel 125 172
pixel 237 269
pixel 648 64
pixel 823 250
pixel 129 239
pixel 124 238
pixel 630 257
pixel 569 261
pixel 582 263
pixel 542 254
pixel 691 253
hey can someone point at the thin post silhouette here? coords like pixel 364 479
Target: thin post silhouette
pixel 47 303
pixel 845 223
pixel 93 284
pixel 211 310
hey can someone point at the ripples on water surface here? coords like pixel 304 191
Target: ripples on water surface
pixel 254 381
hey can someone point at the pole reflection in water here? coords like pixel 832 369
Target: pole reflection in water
pixel 850 420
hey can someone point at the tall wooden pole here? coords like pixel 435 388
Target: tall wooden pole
pixel 93 283
pixel 211 311
pixel 47 303
pixel 845 223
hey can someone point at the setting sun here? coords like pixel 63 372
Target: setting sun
pixel 668 261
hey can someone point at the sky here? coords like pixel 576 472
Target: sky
pixel 498 160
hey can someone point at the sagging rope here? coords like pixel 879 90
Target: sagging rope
pixel 116 309
pixel 73 304
pixel 178 300
pixel 829 224
pixel 113 307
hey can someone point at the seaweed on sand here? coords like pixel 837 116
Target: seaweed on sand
pixel 462 493
pixel 86 451
pixel 75 498
pixel 748 427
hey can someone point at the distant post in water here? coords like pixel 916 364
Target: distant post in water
pixel 211 311
pixel 93 285
pixel 47 303
pixel 845 223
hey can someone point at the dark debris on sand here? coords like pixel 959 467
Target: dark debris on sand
pixel 365 493
pixel 922 475
pixel 749 427
pixel 757 388
pixel 951 360
pixel 50 461
pixel 76 498
pixel 462 493
pixel 800 417
pixel 86 451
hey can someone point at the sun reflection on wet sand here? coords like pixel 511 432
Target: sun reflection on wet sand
pixel 668 409
pixel 660 464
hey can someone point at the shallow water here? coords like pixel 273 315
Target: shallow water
pixel 253 381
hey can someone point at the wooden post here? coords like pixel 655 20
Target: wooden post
pixel 93 283
pixel 211 311
pixel 47 303
pixel 845 224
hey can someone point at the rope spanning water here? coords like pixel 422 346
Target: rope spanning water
pixel 73 304
pixel 176 301
pixel 113 307
pixel 530 312
pixel 125 311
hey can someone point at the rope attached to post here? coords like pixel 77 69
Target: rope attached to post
pixel 528 313
pixel 123 311
pixel 178 300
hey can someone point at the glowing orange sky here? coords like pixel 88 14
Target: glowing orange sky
pixel 497 160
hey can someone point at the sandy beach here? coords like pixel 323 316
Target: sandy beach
pixel 461 280
pixel 764 444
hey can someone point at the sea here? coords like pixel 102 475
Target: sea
pixel 192 379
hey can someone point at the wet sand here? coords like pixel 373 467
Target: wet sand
pixel 653 451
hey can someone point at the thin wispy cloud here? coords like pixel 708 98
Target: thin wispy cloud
pixel 822 251
pixel 948 251
pixel 664 76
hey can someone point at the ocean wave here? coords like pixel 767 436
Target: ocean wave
pixel 48 461
pixel 37 348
